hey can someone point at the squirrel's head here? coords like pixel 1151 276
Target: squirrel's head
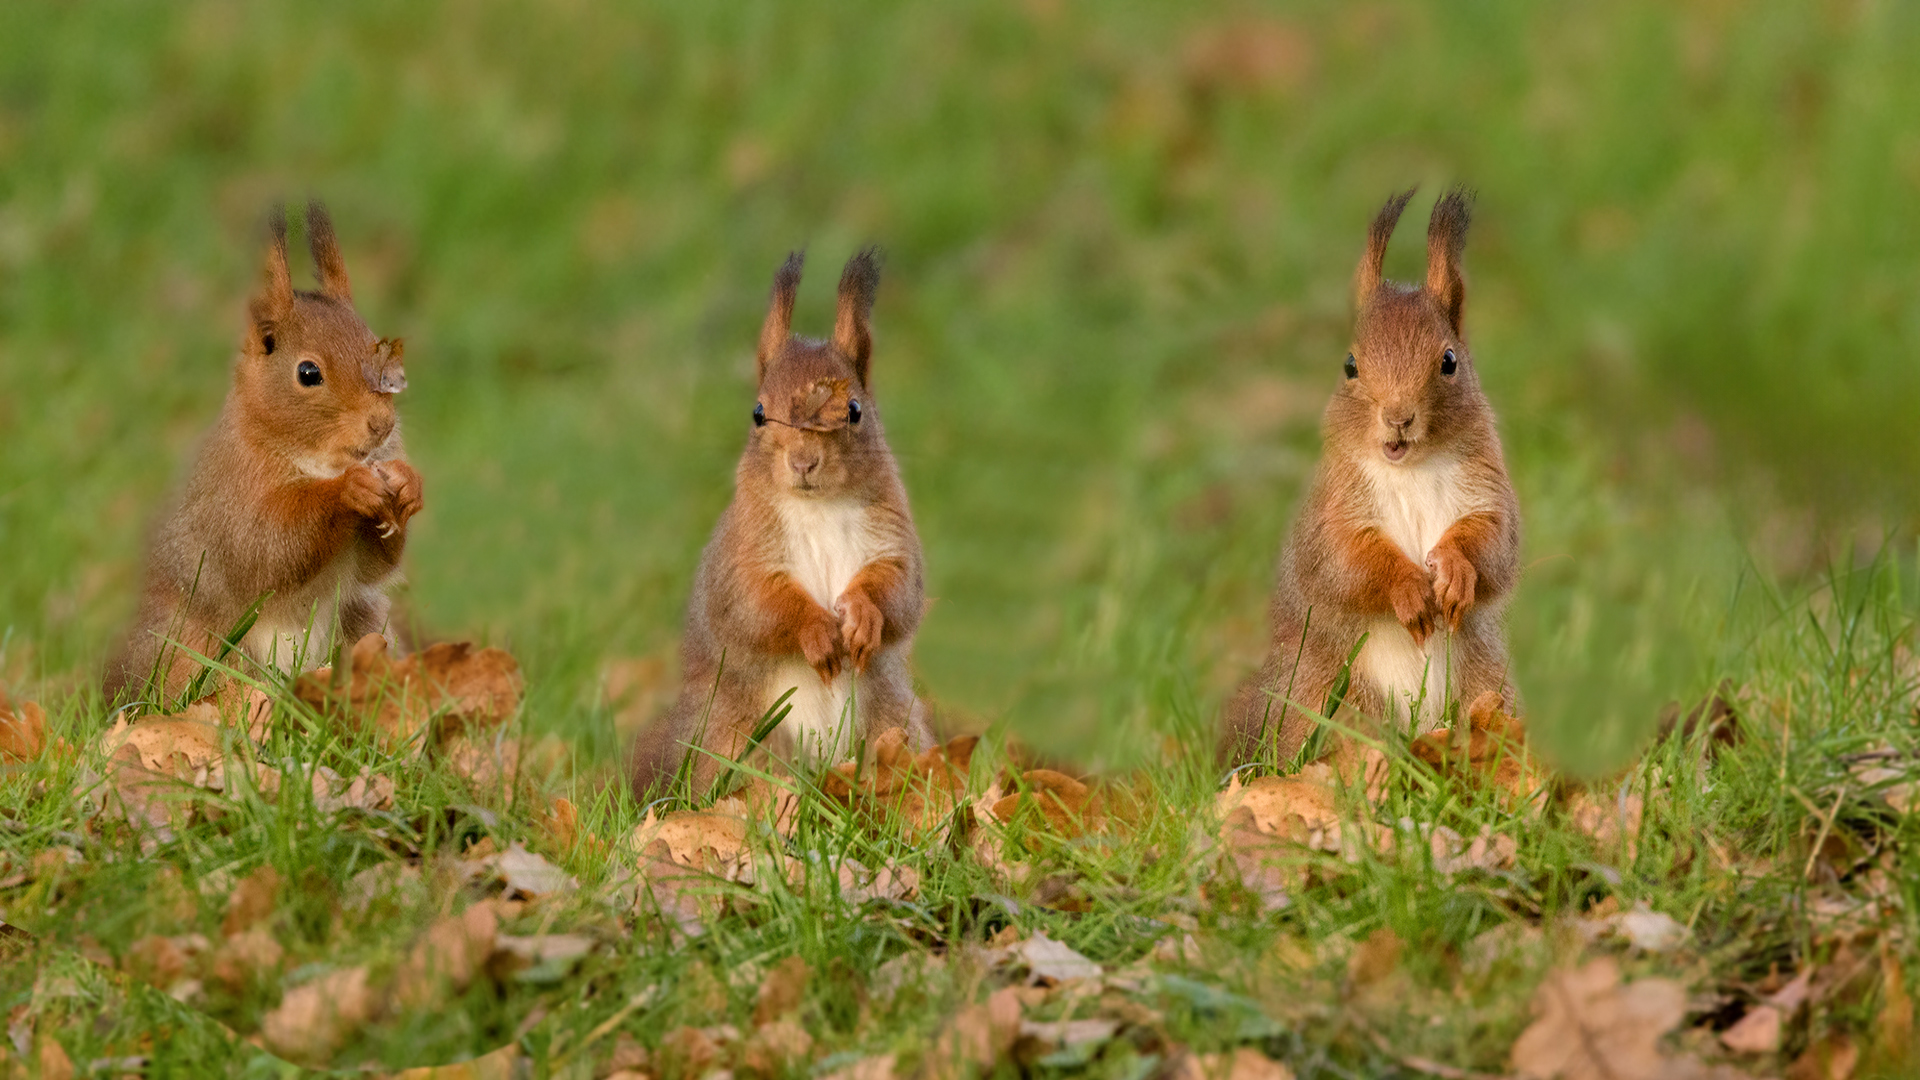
pixel 1409 387
pixel 313 382
pixel 814 422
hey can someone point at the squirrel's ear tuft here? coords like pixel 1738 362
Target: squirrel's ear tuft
pixel 1446 238
pixel 1366 278
pixel 325 246
pixel 273 304
pixel 852 335
pixel 779 325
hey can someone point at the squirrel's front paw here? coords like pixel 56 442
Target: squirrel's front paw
pixel 363 492
pixel 1412 599
pixel 860 624
pixel 1454 580
pixel 819 643
pixel 407 496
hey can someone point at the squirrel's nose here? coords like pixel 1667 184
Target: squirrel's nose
pixel 803 465
pixel 380 427
pixel 1397 420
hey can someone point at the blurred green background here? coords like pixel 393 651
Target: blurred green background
pixel 1119 240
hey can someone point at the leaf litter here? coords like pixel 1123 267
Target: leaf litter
pixel 1042 1001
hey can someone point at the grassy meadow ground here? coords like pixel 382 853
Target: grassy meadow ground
pixel 1118 239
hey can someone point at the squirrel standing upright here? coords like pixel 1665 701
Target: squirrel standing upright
pixel 300 491
pixel 1410 534
pixel 813 579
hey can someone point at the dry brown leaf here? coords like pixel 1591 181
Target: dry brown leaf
pixel 1650 930
pixel 679 858
pixel 1894 1027
pixel 1590 1026
pixel 1052 962
pixel 448 687
pixel 1040 1038
pixel 53 1060
pixel 1453 853
pixel 246 958
pixel 498 1065
pixel 315 1019
pixel 1613 821
pixel 445 961
pixel 877 1067
pixel 251 900
pixel 859 884
pixel 775 1046
pixel 561 824
pixel 527 876
pixel 1302 810
pixel 1758 1032
pixel 156 961
pixel 149 761
pixel 1832 1058
pixel 1492 752
pixel 1245 1063
pixel 513 953
pixel 488 762
pixel 781 991
pixel 686 1052
pixel 978 1037
pixel 1375 959
pixel 898 789
pixel 23 732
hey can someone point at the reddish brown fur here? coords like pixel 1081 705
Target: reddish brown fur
pixel 301 491
pixel 1342 574
pixel 751 615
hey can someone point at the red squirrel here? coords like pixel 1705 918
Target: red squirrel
pixel 301 490
pixel 1410 533
pixel 813 579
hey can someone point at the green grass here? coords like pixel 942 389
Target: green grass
pixel 1114 303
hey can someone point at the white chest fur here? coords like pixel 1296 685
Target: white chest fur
pixel 1414 506
pixel 827 542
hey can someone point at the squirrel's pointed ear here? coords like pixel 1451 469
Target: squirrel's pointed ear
pixel 1366 278
pixel 779 325
pixel 1446 238
pixel 851 334
pixel 274 302
pixel 325 246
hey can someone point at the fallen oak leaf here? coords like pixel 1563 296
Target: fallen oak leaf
pixel 23 732
pixel 1591 1026
pixel 538 956
pixel 774 1046
pixel 1244 1063
pixel 859 884
pixel 977 1037
pixel 896 788
pixel 447 958
pixel 447 688
pixel 1053 962
pixel 251 901
pixel 527 876
pixel 1492 752
pixel 315 1019
pixel 781 991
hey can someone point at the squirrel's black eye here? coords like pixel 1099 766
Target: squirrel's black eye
pixel 1352 369
pixel 309 373
pixel 1448 365
pixel 853 412
pixel 759 415
pixel 266 342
